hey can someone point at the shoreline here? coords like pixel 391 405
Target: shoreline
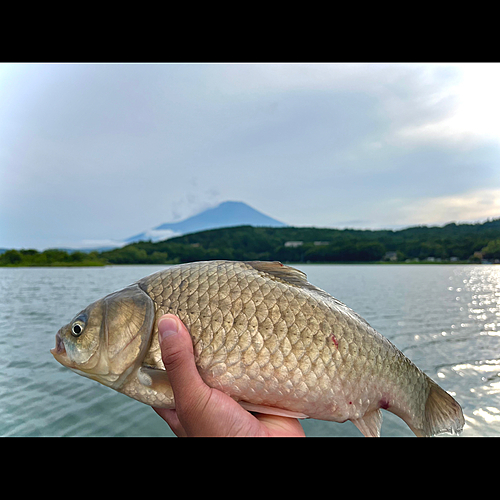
pixel 337 263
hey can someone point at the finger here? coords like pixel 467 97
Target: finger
pixel 281 426
pixel 170 416
pixel 176 345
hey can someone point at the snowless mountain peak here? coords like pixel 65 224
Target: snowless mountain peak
pixel 226 214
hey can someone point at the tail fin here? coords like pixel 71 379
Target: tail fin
pixel 442 413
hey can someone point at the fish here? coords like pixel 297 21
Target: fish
pixel 265 336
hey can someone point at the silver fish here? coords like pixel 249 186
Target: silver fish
pixel 263 335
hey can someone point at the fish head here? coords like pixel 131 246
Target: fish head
pixel 109 337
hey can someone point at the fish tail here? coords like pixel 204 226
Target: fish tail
pixel 442 413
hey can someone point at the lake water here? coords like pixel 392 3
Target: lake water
pixel 445 318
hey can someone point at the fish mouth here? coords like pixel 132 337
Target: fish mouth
pixel 59 351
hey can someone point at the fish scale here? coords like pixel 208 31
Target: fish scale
pixel 272 341
pixel 306 337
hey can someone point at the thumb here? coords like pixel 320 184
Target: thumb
pixel 178 357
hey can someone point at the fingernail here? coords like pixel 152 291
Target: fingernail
pixel 167 326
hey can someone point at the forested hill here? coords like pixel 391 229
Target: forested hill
pixel 453 242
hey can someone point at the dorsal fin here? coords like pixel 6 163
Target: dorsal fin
pixel 278 270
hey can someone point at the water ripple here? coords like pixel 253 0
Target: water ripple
pixel 445 318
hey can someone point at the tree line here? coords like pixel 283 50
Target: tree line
pixel 453 242
pixel 51 257
pixel 456 242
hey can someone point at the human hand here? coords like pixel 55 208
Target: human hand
pixel 201 410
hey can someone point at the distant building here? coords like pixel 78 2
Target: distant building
pixel 293 244
pixel 320 243
pixel 392 256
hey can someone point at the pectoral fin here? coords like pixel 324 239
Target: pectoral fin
pixel 269 410
pixel 370 423
pixel 154 379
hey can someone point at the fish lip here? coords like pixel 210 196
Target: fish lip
pixel 59 351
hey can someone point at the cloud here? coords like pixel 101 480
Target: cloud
pixel 86 244
pixel 469 206
pixel 151 234
pixel 159 234
pixel 470 105
pixel 101 152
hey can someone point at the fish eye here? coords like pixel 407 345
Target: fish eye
pixel 77 327
pixel 76 330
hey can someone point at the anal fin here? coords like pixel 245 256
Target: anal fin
pixel 369 424
pixel 269 410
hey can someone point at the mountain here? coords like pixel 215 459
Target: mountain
pixel 227 214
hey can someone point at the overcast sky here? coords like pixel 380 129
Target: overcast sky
pixel 93 152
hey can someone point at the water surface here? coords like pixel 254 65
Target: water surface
pixel 445 318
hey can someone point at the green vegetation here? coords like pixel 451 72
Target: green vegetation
pixel 451 243
pixel 52 257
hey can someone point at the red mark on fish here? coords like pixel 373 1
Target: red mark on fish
pixel 334 340
pixel 383 403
